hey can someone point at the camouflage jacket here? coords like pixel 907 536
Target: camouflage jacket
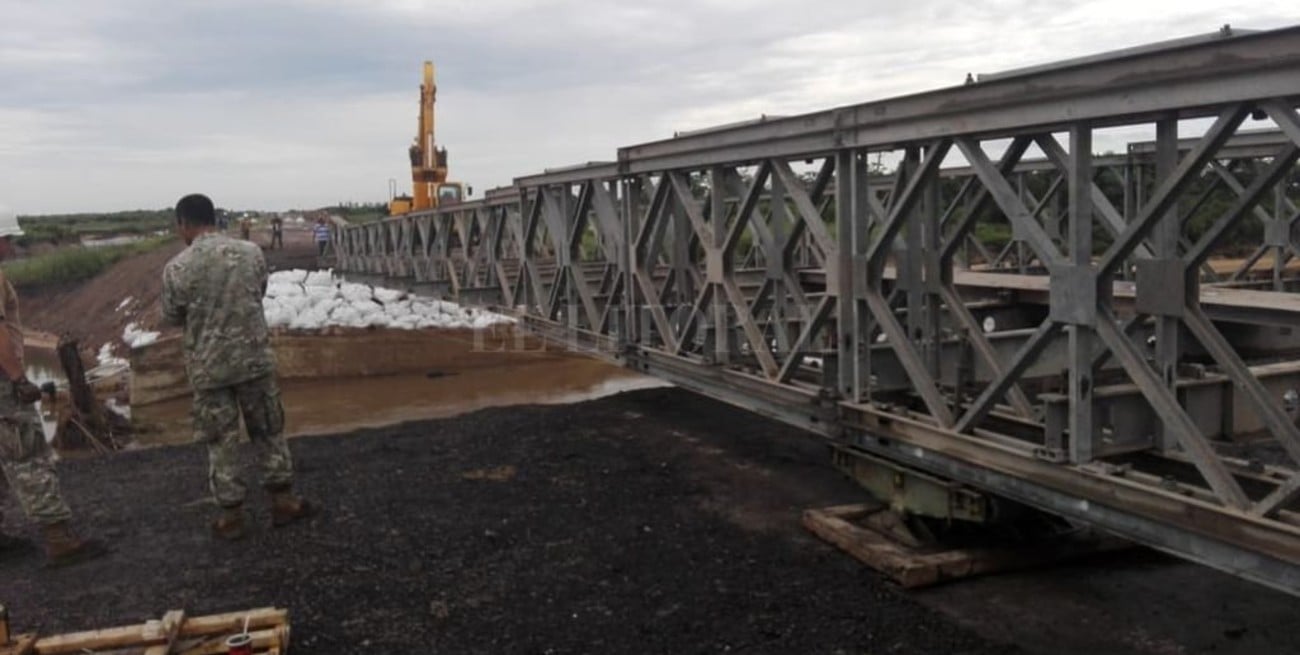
pixel 214 290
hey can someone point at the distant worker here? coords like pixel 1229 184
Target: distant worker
pixel 322 234
pixel 245 229
pixel 277 233
pixel 24 453
pixel 213 289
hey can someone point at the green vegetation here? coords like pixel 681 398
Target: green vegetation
pixel 993 235
pixel 70 228
pixel 359 212
pixel 74 264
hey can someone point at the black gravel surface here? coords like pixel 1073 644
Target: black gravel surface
pixel 650 522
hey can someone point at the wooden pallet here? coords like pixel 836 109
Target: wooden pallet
pixel 174 634
pixel 912 568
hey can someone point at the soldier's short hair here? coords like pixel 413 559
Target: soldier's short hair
pixel 196 209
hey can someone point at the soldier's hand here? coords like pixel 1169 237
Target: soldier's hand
pixel 26 392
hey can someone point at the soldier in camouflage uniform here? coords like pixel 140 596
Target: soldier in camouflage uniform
pixel 213 289
pixel 24 453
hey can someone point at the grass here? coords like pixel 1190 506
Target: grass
pixel 69 228
pixel 74 264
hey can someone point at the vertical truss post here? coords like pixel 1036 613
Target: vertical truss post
pixel 680 253
pixel 633 192
pixel 1081 339
pixel 1277 232
pixel 930 241
pixel 720 340
pixel 779 262
pixel 909 269
pixel 852 224
pixel 1166 237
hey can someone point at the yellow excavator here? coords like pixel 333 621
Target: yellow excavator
pixel 430 187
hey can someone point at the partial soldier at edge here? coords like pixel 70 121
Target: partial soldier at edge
pixel 24 453
pixel 213 289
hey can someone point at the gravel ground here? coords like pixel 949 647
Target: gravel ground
pixel 648 522
pixel 570 529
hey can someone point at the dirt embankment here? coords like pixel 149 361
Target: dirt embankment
pixel 94 311
pixel 97 311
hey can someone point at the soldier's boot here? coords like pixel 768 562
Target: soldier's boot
pixel 229 525
pixel 287 508
pixel 64 547
pixel 10 543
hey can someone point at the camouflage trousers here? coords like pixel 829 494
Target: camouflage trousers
pixel 216 424
pixel 25 460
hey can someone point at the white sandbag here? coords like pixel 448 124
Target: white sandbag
pixel 376 319
pixel 308 320
pixel 277 316
pixel 319 292
pixel 295 304
pixel 327 306
pixel 408 322
pixel 319 279
pixel 283 289
pixel 135 337
pixel 367 307
pixel 388 295
pixel 398 309
pixel 355 292
pixel 295 276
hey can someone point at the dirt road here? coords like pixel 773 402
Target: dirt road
pixel 650 522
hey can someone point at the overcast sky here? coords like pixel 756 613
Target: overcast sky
pixel 273 104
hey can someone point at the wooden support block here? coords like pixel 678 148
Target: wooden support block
pixel 277 637
pixel 914 568
pixel 171 626
pixel 19 645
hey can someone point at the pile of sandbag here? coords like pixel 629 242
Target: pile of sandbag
pixel 302 300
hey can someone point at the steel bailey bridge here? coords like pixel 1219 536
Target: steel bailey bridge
pixel 998 306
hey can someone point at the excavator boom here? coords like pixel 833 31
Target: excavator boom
pixel 429 186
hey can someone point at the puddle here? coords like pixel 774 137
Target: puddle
pixel 112 241
pixel 334 405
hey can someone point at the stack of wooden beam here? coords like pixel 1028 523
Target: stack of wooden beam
pixel 173 634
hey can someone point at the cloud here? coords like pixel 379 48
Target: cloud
pixel 297 103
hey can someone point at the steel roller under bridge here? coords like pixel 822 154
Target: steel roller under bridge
pixel 954 282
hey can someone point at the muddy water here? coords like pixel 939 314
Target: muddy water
pixel 334 405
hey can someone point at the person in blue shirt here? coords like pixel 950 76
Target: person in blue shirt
pixel 322 234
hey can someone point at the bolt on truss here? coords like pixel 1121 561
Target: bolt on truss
pixel 1003 308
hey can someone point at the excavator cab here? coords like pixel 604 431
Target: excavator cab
pixel 450 193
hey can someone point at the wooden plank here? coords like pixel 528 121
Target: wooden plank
pixel 164 634
pixel 171 626
pixel 234 622
pixel 24 644
pixel 911 568
pixel 93 640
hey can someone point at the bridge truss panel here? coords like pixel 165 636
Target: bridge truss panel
pixel 1098 362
